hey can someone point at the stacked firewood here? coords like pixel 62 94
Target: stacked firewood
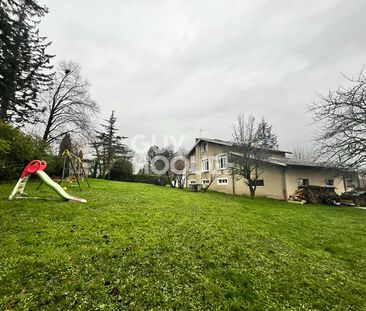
pixel 304 194
pixel 355 197
pixel 315 194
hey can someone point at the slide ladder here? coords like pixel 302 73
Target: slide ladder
pixel 19 188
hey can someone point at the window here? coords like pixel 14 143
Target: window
pixel 303 182
pixel 329 182
pixel 192 182
pixel 205 165
pixel 222 181
pixel 349 183
pixel 222 162
pixel 204 147
pixel 193 167
pixel 205 182
pixel 258 182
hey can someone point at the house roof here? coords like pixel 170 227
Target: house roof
pixel 288 162
pixel 280 161
pixel 228 143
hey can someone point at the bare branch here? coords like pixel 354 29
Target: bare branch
pixel 245 154
pixel 341 117
pixel 68 104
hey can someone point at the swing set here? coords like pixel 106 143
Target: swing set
pixel 70 160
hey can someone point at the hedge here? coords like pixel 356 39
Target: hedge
pixel 147 179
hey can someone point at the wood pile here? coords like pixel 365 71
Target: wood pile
pixel 355 197
pixel 316 194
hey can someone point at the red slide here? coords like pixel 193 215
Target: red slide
pixel 33 167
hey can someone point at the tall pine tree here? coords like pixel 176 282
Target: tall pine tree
pixel 264 137
pixel 66 144
pixel 108 146
pixel 24 63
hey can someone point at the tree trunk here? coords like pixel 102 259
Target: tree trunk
pixel 3 112
pixel 46 133
pixel 49 124
pixel 252 192
pixel 169 180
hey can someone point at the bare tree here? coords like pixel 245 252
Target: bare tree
pixel 212 175
pixel 172 164
pixel 341 116
pixel 180 171
pixel 303 153
pixel 169 153
pixel 150 155
pixel 67 104
pixel 244 155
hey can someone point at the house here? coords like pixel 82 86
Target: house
pixel 85 166
pixel 88 166
pixel 280 174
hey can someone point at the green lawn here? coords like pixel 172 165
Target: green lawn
pixel 139 247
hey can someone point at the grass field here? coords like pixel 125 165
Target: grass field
pixel 140 247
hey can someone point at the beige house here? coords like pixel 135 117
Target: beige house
pixel 280 174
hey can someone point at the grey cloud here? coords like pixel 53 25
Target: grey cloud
pixel 173 67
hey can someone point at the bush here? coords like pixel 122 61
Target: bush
pixel 121 169
pixel 147 179
pixel 16 150
pixel 151 179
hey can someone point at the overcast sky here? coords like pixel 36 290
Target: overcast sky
pixel 173 67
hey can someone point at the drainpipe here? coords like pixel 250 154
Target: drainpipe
pixel 344 184
pixel 233 177
pixel 284 184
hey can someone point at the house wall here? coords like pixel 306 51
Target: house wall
pixel 272 175
pixel 88 167
pixel 273 187
pixel 362 180
pixel 279 182
pixel 317 176
pixel 213 151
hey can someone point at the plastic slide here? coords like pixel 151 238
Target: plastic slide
pixel 37 167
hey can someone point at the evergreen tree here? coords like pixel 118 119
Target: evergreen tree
pixel 24 63
pixel 264 137
pixel 108 146
pixel 66 143
pixel 150 155
pixel 121 169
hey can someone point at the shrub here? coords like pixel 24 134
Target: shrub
pixel 16 150
pixel 121 169
pixel 151 179
pixel 146 179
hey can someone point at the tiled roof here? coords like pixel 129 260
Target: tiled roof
pixel 276 160
pixel 226 143
pixel 295 162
